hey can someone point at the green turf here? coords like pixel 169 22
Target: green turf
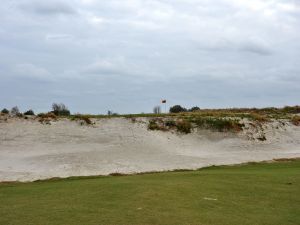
pixel 267 193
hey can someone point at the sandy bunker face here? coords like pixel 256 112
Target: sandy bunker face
pixel 30 150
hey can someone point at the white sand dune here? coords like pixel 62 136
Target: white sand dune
pixel 30 150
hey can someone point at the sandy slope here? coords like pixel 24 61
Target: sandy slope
pixel 30 150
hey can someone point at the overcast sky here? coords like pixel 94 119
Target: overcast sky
pixel 127 55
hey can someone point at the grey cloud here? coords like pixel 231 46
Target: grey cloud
pixel 257 47
pixel 127 55
pixel 58 36
pixel 47 7
pixel 28 70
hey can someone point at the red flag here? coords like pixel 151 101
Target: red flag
pixel 164 101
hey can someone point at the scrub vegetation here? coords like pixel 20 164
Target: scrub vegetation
pixel 181 119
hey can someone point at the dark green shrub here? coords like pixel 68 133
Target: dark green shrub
pixel 29 113
pixel 194 109
pixel 291 109
pixel 5 111
pixel 177 109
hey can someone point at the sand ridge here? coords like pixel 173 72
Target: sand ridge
pixel 30 150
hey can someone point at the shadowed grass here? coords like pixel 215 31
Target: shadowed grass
pixel 258 193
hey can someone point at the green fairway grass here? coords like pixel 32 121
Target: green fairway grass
pixel 263 193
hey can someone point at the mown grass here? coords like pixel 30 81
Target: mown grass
pixel 264 193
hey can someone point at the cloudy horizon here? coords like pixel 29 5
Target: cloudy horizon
pixel 127 55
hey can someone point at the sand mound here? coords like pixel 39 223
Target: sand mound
pixel 31 150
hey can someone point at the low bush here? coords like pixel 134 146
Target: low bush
pixel 49 115
pixel 194 109
pixel 291 109
pixel 177 109
pixel 5 111
pixel 170 123
pixel 184 126
pixel 29 113
pixel 45 118
pixel 153 125
pixel 219 124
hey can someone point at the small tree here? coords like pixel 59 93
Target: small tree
pixel 15 111
pixel 177 109
pixel 157 110
pixel 29 113
pixel 60 109
pixel 5 111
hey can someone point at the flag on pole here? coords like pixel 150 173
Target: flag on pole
pixel 164 101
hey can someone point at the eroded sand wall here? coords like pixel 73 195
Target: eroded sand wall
pixel 30 150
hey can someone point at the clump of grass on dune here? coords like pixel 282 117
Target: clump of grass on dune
pixel 46 118
pixel 296 120
pixel 184 126
pixel 219 124
pixel 84 118
pixel 154 125
pixel 259 117
pixel 180 125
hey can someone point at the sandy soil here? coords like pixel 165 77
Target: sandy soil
pixel 30 150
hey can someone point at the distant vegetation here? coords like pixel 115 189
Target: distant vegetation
pixel 177 109
pixel 5 111
pixel 194 109
pixel 29 113
pixel 15 111
pixel 214 119
pixel 60 109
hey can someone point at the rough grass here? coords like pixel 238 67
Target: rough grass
pixel 84 118
pixel 184 126
pixel 257 114
pixel 264 193
pixel 296 120
pixel 219 124
pixel 180 125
